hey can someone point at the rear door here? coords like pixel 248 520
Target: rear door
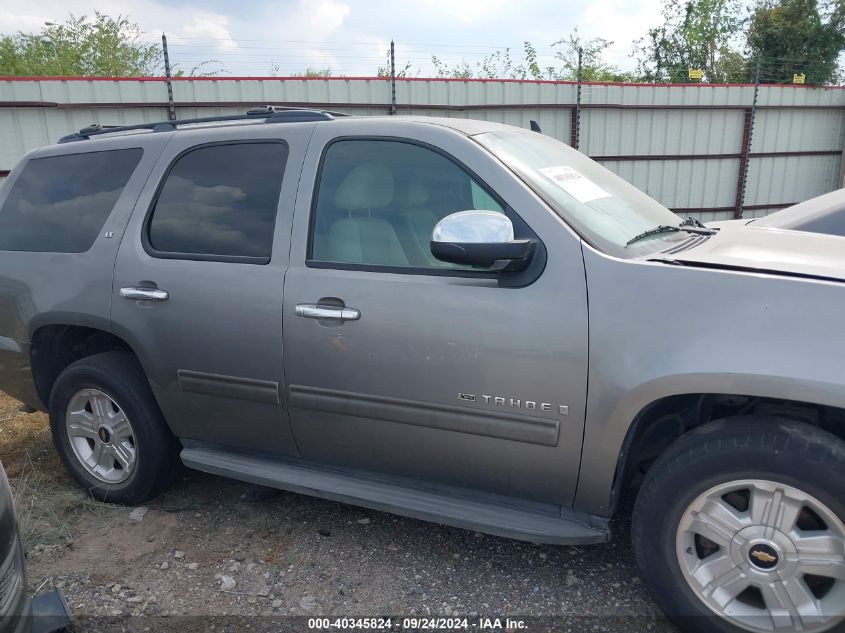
pixel 199 279
pixel 421 369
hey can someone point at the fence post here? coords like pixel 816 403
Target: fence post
pixel 392 79
pixel 747 136
pixel 171 107
pixel 575 128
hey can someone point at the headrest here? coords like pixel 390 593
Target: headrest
pixel 416 194
pixel 365 187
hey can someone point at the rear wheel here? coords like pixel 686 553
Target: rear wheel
pixel 101 436
pixel 740 526
pixel 109 431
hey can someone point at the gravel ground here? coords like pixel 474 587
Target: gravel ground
pixel 213 547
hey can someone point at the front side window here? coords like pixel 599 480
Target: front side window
pixel 378 201
pixel 219 201
pixel 59 204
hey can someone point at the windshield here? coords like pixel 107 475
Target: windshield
pixel 605 209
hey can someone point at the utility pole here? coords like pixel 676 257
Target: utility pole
pixel 392 78
pixel 171 107
pixel 577 127
pixel 748 135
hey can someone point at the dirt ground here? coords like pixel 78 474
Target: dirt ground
pixel 213 547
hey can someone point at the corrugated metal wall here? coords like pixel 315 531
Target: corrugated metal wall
pixel 685 145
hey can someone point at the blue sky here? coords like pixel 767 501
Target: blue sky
pixel 261 37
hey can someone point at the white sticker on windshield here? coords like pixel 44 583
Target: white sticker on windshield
pixel 574 183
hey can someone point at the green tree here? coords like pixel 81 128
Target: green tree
pixel 98 47
pixel 593 66
pixel 501 64
pixel 461 70
pixel 315 72
pixel 497 65
pixel 405 71
pixel 698 34
pixel 797 37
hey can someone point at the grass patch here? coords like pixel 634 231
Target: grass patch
pixel 50 510
pixel 24 437
pixel 49 505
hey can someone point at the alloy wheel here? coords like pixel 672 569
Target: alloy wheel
pixel 765 556
pixel 101 436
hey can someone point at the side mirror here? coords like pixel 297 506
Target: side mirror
pixel 480 238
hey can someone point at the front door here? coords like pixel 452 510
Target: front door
pixel 398 364
pixel 199 279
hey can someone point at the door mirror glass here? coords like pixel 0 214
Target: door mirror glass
pixel 480 238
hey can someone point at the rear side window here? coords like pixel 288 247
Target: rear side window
pixel 219 202
pixel 59 204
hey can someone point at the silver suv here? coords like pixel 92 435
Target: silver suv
pixel 453 320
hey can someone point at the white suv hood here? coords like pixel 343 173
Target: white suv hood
pixel 762 249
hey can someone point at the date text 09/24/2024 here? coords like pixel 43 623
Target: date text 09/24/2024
pixel 417 624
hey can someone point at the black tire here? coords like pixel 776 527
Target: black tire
pixel 765 448
pixel 120 376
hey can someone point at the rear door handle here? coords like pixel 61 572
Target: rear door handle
pixel 139 293
pixel 314 311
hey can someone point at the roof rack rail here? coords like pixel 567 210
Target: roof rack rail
pixel 270 114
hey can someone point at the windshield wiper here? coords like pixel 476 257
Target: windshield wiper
pixel 690 225
pixel 691 222
pixel 657 230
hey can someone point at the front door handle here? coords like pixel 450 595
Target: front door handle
pixel 139 293
pixel 314 311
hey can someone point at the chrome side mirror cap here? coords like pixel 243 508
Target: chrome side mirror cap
pixel 474 227
pixel 480 238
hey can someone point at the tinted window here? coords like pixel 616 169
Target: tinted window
pixel 59 204
pixel 378 202
pixel 220 200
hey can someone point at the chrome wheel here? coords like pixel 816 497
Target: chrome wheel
pixel 765 556
pixel 101 436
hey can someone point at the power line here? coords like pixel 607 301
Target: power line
pixel 248 55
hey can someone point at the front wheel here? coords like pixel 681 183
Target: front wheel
pixel 740 526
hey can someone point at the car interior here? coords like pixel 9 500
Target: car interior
pixel 378 202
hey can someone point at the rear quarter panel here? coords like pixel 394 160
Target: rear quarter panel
pixel 42 288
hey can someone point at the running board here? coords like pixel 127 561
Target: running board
pixel 471 512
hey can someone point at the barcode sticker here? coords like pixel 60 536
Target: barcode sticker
pixel 574 183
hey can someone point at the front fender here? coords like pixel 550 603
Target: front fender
pixel 658 331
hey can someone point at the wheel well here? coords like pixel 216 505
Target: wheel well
pixel 662 422
pixel 54 347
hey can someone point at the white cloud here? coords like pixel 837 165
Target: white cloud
pixel 351 36
pixel 299 37
pixel 622 22
pixel 207 26
pixel 13 22
pixel 320 17
pixel 466 10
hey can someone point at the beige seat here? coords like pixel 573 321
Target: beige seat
pixel 420 221
pixel 364 239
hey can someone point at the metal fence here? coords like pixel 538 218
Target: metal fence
pixel 713 151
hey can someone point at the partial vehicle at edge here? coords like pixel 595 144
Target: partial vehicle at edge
pixel 822 214
pixel 47 612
